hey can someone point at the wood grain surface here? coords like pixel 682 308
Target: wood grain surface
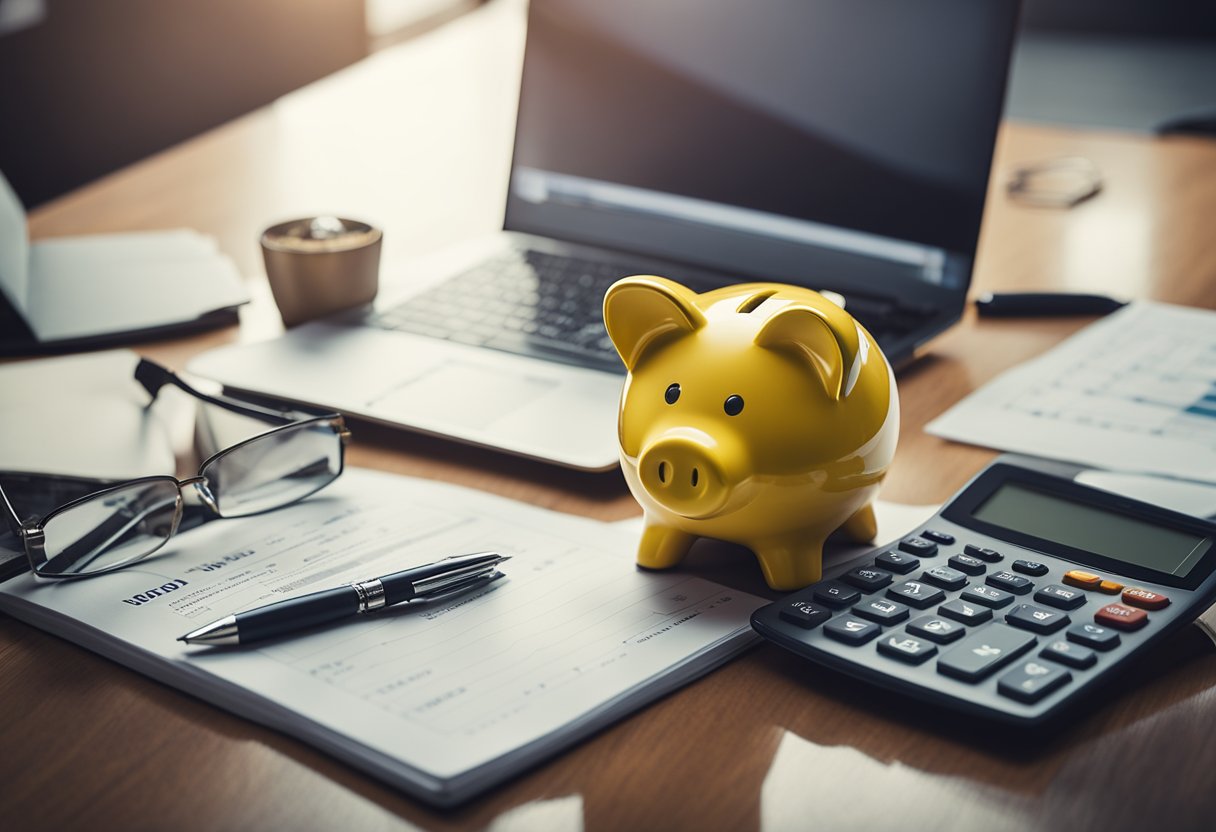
pixel 416 139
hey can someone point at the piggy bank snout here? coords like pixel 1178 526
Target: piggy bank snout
pixel 683 475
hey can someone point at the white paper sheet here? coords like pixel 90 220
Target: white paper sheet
pixel 1135 391
pixel 81 287
pixel 441 701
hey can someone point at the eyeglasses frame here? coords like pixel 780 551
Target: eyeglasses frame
pixel 153 377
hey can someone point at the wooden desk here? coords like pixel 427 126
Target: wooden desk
pixel 765 742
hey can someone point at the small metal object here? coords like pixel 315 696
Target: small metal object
pixel 371 595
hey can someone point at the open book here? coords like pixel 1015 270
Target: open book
pixel 442 701
pixel 75 292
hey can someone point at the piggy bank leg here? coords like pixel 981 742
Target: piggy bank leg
pixel 862 527
pixel 662 547
pixel 790 562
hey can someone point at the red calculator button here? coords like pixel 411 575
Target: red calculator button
pixel 1120 617
pixel 1145 598
pixel 1085 580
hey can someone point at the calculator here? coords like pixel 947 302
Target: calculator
pixel 1026 592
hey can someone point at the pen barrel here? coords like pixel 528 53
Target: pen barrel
pixel 296 614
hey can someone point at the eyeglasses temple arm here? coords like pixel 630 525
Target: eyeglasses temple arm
pixel 10 514
pixel 153 377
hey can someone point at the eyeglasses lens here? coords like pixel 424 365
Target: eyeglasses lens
pixel 275 470
pixel 110 529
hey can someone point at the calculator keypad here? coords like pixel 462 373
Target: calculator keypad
pixel 1018 633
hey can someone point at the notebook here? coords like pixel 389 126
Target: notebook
pixel 73 293
pixel 444 701
pixel 840 146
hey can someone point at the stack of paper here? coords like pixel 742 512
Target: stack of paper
pixel 107 288
pixel 442 701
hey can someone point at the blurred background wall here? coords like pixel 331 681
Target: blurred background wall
pixel 89 86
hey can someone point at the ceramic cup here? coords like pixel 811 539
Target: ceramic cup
pixel 320 265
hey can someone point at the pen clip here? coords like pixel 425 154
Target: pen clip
pixel 460 587
pixel 428 587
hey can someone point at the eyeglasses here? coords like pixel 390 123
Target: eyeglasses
pixel 127 522
pixel 1056 183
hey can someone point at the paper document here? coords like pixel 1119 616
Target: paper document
pixel 442 701
pixel 1135 391
pixel 72 288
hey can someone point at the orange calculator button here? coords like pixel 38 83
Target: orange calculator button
pixel 1110 588
pixel 1085 580
pixel 1145 598
pixel 1119 617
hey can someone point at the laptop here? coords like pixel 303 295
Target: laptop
pixel 836 144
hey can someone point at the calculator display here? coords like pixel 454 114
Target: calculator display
pixel 1055 518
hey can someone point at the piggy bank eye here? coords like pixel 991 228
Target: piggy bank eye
pixel 672 394
pixel 733 405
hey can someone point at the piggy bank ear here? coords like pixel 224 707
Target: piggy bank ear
pixel 826 339
pixel 642 311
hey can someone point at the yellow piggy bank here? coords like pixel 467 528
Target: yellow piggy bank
pixel 760 414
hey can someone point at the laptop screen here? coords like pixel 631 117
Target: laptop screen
pixel 760 134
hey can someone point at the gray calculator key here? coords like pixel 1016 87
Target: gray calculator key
pixel 899 562
pixel 881 611
pixel 1010 582
pixel 906 648
pixel 984 651
pixel 918 546
pixel 1031 680
pixel 936 628
pixel 986 595
pixel 851 630
pixel 943 538
pixel 867 578
pixel 1091 635
pixel 835 594
pixel 1061 597
pixel 916 594
pixel 967 563
pixel 1037 619
pixel 1073 655
pixel 1030 567
pixel 990 555
pixel 965 612
pixel 945 577
pixel 804 614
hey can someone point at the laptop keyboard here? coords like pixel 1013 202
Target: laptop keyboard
pixel 530 303
pixel 550 306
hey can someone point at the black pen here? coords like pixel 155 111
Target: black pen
pixel 1044 304
pixel 431 582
